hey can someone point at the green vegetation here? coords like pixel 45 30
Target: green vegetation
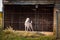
pixel 13 36
pixel 10 34
pixel 1 17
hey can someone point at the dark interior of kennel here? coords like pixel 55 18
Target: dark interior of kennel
pixel 42 16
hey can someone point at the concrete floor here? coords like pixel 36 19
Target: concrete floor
pixel 35 32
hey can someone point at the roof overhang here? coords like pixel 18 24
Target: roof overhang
pixel 29 2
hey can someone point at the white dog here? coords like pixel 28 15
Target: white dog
pixel 28 24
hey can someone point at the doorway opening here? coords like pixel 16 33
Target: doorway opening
pixel 41 16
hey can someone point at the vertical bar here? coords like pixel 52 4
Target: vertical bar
pixel 57 24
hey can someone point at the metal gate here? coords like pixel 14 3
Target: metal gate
pixel 40 14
